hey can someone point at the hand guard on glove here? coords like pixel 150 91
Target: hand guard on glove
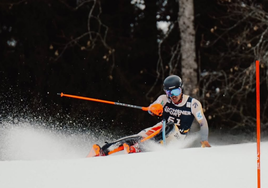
pixel 205 144
pixel 155 109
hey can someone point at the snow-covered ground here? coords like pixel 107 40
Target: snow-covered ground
pixel 38 158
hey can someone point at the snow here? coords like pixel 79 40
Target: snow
pixel 40 158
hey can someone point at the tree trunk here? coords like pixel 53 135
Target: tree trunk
pixel 188 57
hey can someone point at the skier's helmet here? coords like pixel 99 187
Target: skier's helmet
pixel 172 82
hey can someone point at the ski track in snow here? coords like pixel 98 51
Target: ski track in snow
pixel 35 157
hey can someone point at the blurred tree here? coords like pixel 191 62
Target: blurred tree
pixel 234 42
pixel 188 52
pixel 122 50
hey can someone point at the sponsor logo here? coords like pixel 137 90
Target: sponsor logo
pixel 171 87
pixel 177 112
pixel 199 115
pixel 188 104
pixel 181 130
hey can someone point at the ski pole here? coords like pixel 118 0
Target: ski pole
pixel 164 131
pixel 103 101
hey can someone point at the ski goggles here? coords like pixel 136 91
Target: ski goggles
pixel 173 92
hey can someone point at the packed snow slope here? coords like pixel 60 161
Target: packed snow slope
pixel 36 158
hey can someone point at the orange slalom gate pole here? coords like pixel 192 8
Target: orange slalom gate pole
pixel 258 123
pixel 103 101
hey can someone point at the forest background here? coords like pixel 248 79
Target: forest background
pixel 117 50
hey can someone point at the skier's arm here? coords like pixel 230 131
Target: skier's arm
pixel 198 113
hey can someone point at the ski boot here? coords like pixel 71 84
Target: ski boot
pixel 131 149
pixel 96 151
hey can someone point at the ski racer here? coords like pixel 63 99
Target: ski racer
pixel 178 111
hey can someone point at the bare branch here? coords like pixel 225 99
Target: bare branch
pixel 99 34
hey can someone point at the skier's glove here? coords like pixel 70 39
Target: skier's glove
pixel 205 144
pixel 155 109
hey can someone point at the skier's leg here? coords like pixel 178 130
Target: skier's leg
pixel 171 132
pixel 148 131
pixel 117 145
